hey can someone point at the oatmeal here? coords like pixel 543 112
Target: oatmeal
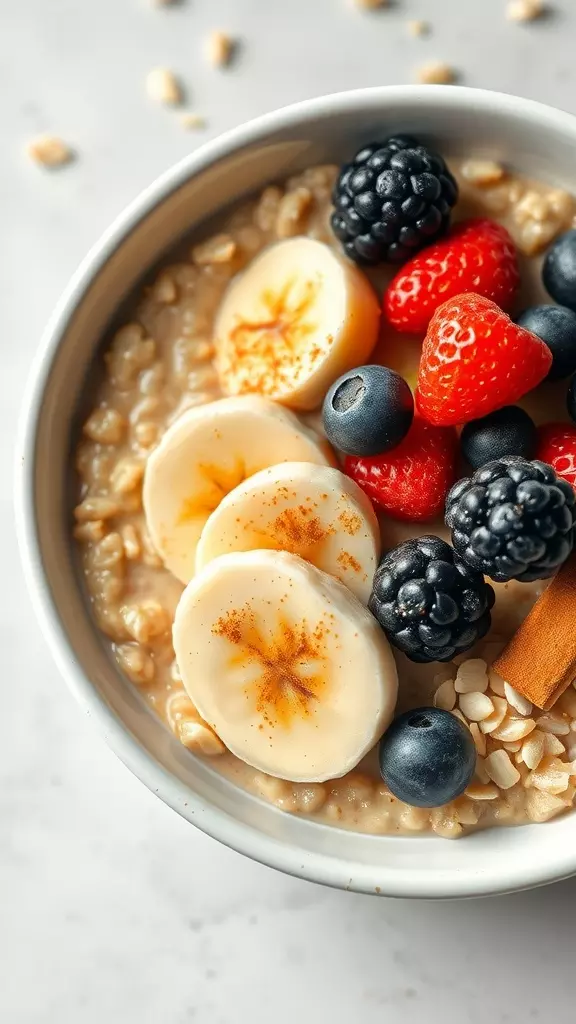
pixel 143 517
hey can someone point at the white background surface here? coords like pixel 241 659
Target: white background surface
pixel 111 907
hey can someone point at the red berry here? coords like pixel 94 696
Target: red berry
pixel 476 360
pixel 477 256
pixel 557 446
pixel 412 481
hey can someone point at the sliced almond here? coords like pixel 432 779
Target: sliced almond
pixel 476 706
pixel 472 676
pixel 520 703
pixel 553 744
pixel 496 683
pixel 551 776
pixel 553 723
pixel 478 791
pixel 488 725
pixel 445 696
pixel 513 729
pixel 533 749
pixel 501 770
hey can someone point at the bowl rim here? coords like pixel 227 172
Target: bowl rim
pixel 231 832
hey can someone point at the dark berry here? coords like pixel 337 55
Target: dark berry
pixel 556 326
pixel 368 411
pixel 427 757
pixel 509 431
pixel 559 270
pixel 395 197
pixel 519 523
pixel 571 399
pixel 429 604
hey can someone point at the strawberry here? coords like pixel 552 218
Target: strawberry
pixel 412 481
pixel 476 360
pixel 557 446
pixel 477 256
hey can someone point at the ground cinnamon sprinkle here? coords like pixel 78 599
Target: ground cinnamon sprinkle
pixel 298 527
pixel 268 353
pixel 347 561
pixel 281 692
pixel 540 659
pixel 350 522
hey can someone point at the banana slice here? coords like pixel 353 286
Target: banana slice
pixel 308 510
pixel 285 664
pixel 205 454
pixel 294 321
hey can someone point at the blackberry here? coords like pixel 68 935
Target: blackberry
pixel 512 520
pixel 429 603
pixel 392 199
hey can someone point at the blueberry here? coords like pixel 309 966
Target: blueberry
pixel 559 270
pixel 509 431
pixel 571 399
pixel 427 757
pixel 556 326
pixel 368 411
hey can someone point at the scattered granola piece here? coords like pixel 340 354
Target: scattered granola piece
pixel 219 49
pixel 218 249
pixel 436 72
pixel 525 10
pixel 49 151
pixel 370 5
pixel 192 121
pixel 417 27
pixel 482 172
pixel 163 87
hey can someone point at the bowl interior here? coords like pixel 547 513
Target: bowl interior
pixel 535 140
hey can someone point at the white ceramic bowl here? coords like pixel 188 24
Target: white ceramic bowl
pixel 535 139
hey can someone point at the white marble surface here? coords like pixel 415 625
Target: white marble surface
pixel 111 907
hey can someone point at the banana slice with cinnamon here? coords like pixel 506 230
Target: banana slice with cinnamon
pixel 297 318
pixel 312 511
pixel 207 452
pixel 285 664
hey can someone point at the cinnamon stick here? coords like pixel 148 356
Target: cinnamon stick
pixel 540 659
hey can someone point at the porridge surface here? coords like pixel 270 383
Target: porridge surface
pixel 160 364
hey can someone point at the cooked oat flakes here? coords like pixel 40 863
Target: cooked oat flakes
pixel 159 364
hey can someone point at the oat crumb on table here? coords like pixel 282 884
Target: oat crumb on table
pixel 525 10
pixel 436 72
pixel 417 27
pixel 370 5
pixel 163 87
pixel 49 151
pixel 219 48
pixel 192 121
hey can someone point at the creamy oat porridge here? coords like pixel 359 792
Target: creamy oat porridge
pixel 227 487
